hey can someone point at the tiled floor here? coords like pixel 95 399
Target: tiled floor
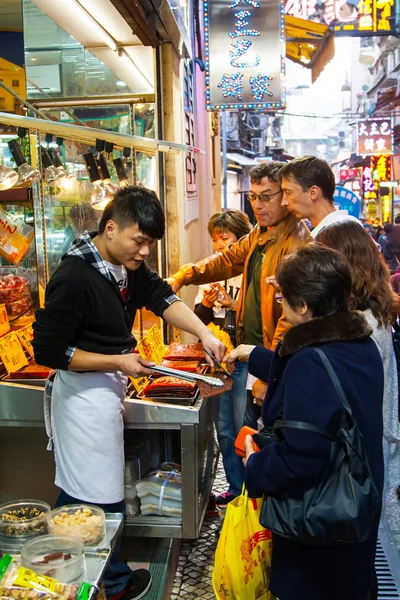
pixel 193 575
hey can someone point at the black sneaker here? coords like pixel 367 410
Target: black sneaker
pixel 224 499
pixel 139 585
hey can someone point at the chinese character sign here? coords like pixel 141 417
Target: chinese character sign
pixel 365 18
pixel 375 136
pixel 381 168
pixel 245 50
pixel 347 200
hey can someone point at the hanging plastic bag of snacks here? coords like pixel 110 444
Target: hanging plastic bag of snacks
pixel 15 237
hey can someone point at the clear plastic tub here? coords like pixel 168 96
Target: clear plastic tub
pixel 60 557
pixel 23 518
pixel 82 521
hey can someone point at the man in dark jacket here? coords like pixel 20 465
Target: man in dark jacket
pixel 85 332
pixel 391 252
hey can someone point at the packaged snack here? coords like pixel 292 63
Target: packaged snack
pixel 19 583
pixel 15 237
pixel 15 293
pixel 160 492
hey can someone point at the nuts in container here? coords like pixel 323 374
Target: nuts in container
pixel 23 518
pixel 82 521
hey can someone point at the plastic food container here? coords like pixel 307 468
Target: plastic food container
pixel 82 521
pixel 60 557
pixel 15 293
pixel 23 518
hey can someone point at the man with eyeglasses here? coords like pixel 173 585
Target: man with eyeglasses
pixel 259 319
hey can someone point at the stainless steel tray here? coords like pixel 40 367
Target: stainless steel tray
pixel 36 382
pixel 170 399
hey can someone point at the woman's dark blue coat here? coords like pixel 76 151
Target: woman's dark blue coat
pixel 299 385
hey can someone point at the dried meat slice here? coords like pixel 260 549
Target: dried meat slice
pixel 185 352
pixel 31 371
pixel 170 386
pixel 190 366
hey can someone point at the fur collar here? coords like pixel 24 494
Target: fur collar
pixel 334 328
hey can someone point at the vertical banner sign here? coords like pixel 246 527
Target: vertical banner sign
pixel 245 54
pixel 375 136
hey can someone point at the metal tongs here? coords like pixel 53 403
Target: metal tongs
pixel 214 381
pixel 216 363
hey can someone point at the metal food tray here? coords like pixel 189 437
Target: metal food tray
pixel 189 401
pixel 24 381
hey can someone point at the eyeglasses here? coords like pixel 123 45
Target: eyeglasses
pixel 252 197
pixel 279 298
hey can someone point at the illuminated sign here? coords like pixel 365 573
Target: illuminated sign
pixel 245 54
pixel 345 174
pixel 351 18
pixel 381 168
pixel 369 188
pixel 375 136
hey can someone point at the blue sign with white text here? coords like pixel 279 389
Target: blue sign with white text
pixel 347 200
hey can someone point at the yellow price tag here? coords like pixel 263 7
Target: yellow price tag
pixel 147 351
pixel 139 383
pixel 30 579
pixel 25 335
pixel 12 353
pixel 157 342
pixel 4 324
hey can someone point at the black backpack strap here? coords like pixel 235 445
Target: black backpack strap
pixel 334 378
pixel 302 425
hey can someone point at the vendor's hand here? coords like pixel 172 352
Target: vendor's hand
pixel 174 284
pixel 213 345
pixel 134 365
pixel 241 353
pixel 227 301
pixel 259 391
pixel 248 446
pixel 209 297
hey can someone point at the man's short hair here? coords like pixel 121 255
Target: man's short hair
pixel 318 276
pixel 268 169
pixel 135 205
pixel 232 220
pixel 309 170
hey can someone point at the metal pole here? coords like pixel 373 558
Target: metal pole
pixel 224 162
pixel 24 102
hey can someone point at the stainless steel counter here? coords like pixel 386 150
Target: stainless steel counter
pixel 22 406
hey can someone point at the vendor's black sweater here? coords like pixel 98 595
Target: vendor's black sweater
pixel 85 309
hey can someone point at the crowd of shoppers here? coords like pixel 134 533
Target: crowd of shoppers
pixel 288 290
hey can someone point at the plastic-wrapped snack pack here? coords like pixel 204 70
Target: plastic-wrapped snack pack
pixel 19 583
pixel 15 237
pixel 160 492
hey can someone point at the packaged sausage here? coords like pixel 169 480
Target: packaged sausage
pixel 15 237
pixel 19 583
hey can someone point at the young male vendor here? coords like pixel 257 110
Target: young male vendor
pixel 85 332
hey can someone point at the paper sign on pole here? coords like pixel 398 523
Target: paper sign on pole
pixel 12 353
pixel 4 324
pixel 25 335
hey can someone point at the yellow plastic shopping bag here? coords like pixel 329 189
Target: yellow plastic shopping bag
pixel 243 554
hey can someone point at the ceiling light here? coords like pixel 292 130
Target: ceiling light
pixel 99 197
pixel 27 175
pixel 105 175
pixel 121 172
pixel 121 83
pixel 85 16
pixel 51 174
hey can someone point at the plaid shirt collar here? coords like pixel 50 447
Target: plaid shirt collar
pixel 85 248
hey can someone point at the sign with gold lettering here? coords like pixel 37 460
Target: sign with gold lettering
pixel 12 353
pixel 348 17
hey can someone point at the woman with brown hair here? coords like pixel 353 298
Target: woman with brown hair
pixel 372 294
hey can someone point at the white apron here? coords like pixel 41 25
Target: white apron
pixel 88 433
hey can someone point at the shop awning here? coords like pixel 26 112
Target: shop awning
pixel 309 44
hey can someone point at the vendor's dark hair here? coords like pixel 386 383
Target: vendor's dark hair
pixel 270 169
pixel 318 276
pixel 138 205
pixel 232 220
pixel 308 171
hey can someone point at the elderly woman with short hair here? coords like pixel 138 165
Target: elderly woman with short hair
pixel 315 285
